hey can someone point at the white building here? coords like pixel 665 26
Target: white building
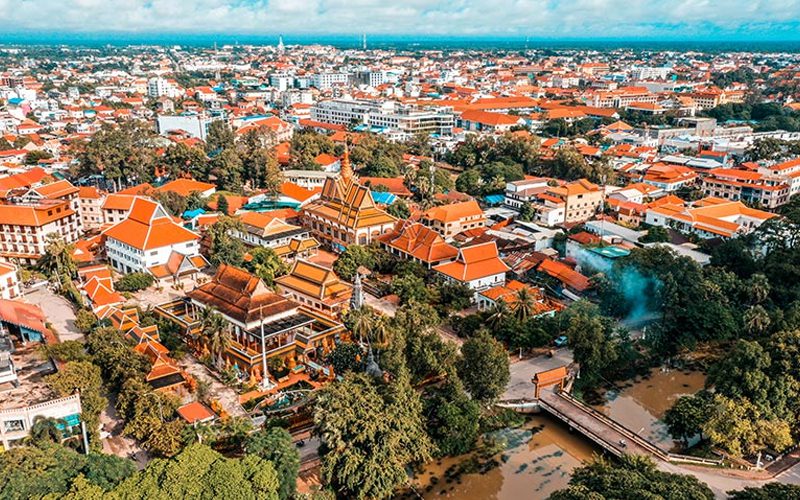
pixel 389 115
pixel 326 80
pixel 148 238
pixel 195 124
pixel 16 423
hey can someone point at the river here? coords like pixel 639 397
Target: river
pixel 538 457
pixel 536 460
pixel 641 403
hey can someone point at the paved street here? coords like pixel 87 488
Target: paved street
pixel 59 312
pixel 227 397
pixel 522 371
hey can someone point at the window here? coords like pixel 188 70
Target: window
pixel 14 425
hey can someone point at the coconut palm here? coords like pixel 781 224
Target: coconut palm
pixel 57 259
pixel 361 322
pixel 380 333
pixel 756 320
pixel 499 313
pixel 215 334
pixel 758 288
pixel 524 305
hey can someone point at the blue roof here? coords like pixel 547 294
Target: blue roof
pixel 16 100
pixel 383 198
pixel 191 214
pixel 493 199
pixel 610 252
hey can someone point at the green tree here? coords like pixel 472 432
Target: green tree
pixel 180 159
pixel 276 446
pixel 634 476
pixel 219 137
pixel 591 336
pixel 655 234
pixel 484 366
pixel 410 288
pixel 123 155
pixel 346 357
pixel 353 257
pixel 265 264
pixel 86 379
pixel 686 417
pixel 526 212
pixel 452 418
pixel 370 432
pixel 134 282
pixel 770 491
pixel 224 248
pixel 200 472
pixel 85 320
pixel 399 209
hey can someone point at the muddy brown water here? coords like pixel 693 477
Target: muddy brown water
pixel 641 403
pixel 537 460
pixel 538 457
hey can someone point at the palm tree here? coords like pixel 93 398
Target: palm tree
pixel 756 320
pixel 498 314
pixel 380 333
pixel 361 322
pixel 758 286
pixel 525 304
pixel 215 333
pixel 57 259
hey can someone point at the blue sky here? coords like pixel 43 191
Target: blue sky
pixel 625 19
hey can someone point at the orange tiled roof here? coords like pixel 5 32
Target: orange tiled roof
pixel 454 211
pixel 420 242
pixel 474 262
pixel 149 226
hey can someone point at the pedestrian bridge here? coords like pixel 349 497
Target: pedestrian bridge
pixel 552 396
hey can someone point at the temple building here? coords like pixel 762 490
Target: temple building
pixel 316 287
pixel 255 317
pixel 345 213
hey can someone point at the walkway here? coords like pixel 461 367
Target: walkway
pixel 228 397
pixel 59 312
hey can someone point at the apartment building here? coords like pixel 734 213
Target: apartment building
pixel 622 97
pixel 90 207
pixel 710 217
pixel 581 199
pixel 754 188
pixel 449 220
pixel 25 227
pixel 388 115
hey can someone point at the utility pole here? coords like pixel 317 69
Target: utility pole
pixel 266 383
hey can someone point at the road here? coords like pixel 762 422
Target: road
pixel 59 311
pixel 522 371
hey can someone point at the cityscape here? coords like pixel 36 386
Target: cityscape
pixel 413 251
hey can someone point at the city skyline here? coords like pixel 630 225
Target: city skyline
pixel 586 19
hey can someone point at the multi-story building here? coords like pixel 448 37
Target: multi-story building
pixel 478 266
pixel 25 228
pixel 195 124
pixel 526 191
pixel 147 239
pixel 262 230
pixel 581 199
pixel 413 241
pixel 449 220
pixel 708 218
pixel 327 80
pixel 9 281
pixel 115 207
pixel 90 207
pixel 754 188
pixel 16 423
pixel 388 115
pixel 345 214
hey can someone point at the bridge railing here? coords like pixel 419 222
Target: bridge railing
pixel 689 459
pixel 643 442
pixel 603 442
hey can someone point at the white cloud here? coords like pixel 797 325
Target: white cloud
pixel 545 18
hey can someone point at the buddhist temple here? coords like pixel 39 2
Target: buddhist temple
pixel 346 213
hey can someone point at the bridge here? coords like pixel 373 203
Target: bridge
pixel 552 396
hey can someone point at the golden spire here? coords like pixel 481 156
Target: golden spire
pixel 346 172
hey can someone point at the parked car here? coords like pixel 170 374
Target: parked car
pixel 561 341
